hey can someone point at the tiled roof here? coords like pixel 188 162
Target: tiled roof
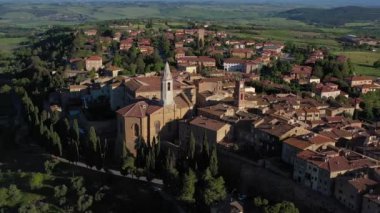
pixel 218 109
pixel 146 84
pixel 297 69
pixel 139 109
pixel 94 58
pixel 234 61
pixel 337 160
pixel 361 78
pixel 304 141
pixel 207 123
pixel 274 126
pixel 361 184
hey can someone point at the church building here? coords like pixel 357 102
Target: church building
pixel 149 118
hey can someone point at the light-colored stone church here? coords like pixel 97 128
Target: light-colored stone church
pixel 150 118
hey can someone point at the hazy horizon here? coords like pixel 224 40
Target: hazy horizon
pixel 320 3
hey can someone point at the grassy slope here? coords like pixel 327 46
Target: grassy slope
pixel 363 61
pixel 7 44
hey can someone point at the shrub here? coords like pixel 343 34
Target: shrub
pixel 36 181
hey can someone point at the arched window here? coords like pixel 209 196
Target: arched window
pixel 157 127
pixel 136 130
pixel 168 86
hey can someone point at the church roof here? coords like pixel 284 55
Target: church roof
pixel 148 84
pixel 142 108
pixel 139 109
pixel 167 74
pixel 181 101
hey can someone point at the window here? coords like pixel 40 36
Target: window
pixel 168 86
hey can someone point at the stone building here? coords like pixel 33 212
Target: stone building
pixel 146 119
pixel 318 169
pixel 94 63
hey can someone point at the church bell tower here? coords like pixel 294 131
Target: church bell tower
pixel 167 87
pixel 239 94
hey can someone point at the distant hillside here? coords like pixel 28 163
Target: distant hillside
pixel 335 16
pixel 319 3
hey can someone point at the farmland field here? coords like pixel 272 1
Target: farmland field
pixel 258 21
pixel 363 61
pixel 8 43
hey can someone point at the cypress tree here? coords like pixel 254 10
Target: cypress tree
pixel 206 145
pixel 91 147
pixel 157 146
pixel 214 161
pixel 76 130
pixel 191 147
pixel 187 191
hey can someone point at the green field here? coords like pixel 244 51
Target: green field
pixel 7 44
pixel 363 61
pixel 255 21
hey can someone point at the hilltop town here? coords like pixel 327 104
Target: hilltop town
pixel 201 102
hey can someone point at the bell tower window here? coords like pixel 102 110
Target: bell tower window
pixel 168 86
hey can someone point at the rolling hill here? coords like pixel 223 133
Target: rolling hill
pixel 335 16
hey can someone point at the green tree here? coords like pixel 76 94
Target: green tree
pixel 28 208
pixel 376 64
pixel 5 88
pixel 50 165
pixel 191 147
pixel 60 191
pixel 259 202
pixel 170 173
pixel 36 180
pixel 187 190
pixel 283 207
pixel 214 189
pixel 76 138
pixel 91 147
pixel 140 64
pixel 128 165
pixel 84 202
pixel 318 71
pixel 77 183
pixel 214 161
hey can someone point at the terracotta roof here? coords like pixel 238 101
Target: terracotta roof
pixel 218 109
pixel 361 78
pixel 205 59
pixel 273 126
pixel 297 69
pixel 304 141
pixel 94 58
pixel 234 61
pixel 207 123
pixel 240 50
pixel 146 84
pixel 139 109
pixel 362 184
pixel 182 101
pixel 336 134
pixel 334 160
pixel 334 119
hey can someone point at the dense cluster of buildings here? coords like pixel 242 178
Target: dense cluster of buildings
pixel 330 152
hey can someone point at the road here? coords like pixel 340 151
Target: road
pixel 157 183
